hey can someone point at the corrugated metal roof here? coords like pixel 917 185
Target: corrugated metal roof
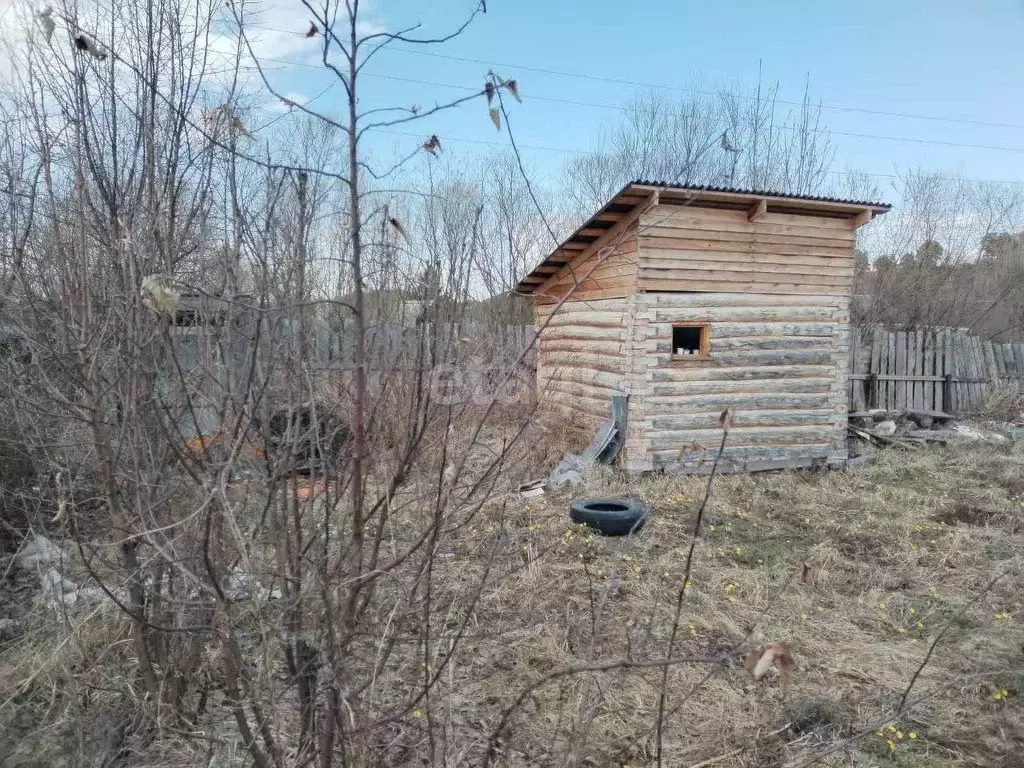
pixel 627 199
pixel 759 193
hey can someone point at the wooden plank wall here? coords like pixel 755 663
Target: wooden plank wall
pixel 582 357
pixel 591 276
pixel 779 361
pixel 702 249
pixel 935 369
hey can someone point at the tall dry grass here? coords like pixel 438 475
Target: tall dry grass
pixel 903 549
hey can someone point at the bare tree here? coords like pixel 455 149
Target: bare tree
pixel 184 294
pixel 768 148
pixel 941 259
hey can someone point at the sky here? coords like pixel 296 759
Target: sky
pixel 953 70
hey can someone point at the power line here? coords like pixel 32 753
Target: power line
pixel 482 142
pixel 852 134
pixel 680 89
pixel 874 136
pixel 573 151
pixel 568 151
pixel 620 81
pixel 287 112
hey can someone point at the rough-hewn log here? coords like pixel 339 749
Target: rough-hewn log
pixel 742 373
pixel 673 389
pixel 819 450
pixel 739 437
pixel 743 419
pixel 780 343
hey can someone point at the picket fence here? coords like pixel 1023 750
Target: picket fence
pixel 934 369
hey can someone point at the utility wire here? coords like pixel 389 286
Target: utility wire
pixel 623 109
pixel 873 136
pixel 680 89
pixel 620 81
pixel 564 150
pixel 782 127
pixel 584 152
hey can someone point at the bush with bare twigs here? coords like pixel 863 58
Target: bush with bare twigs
pixel 1003 403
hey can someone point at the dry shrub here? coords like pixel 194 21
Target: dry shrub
pixel 558 595
pixel 437 412
pixel 555 435
pixel 65 682
pixel 1004 403
pixel 17 475
pixel 969 514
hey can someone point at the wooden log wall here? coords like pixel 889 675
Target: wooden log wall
pixel 582 359
pixel 779 361
pixel 775 289
pixel 935 369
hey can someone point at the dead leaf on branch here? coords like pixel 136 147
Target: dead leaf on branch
pixel 495 117
pixel 432 145
pixel 512 86
pixel 85 43
pixel 726 144
pixel 45 19
pixel 759 662
pixel 225 115
pixel 239 128
pixel 400 229
pixel 158 294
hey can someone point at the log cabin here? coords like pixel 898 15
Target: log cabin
pixel 692 300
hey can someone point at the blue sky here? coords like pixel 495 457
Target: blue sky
pixel 937 58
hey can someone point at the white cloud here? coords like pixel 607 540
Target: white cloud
pixel 364 27
pixel 275 35
pixel 277 32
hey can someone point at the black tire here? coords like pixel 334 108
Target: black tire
pixel 612 517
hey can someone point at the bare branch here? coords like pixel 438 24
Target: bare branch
pixel 419 116
pixel 402 36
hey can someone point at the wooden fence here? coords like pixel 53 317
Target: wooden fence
pixel 938 369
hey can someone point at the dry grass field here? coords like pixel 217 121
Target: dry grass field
pixel 569 628
pixel 904 548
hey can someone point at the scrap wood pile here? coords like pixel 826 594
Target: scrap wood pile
pixel 909 428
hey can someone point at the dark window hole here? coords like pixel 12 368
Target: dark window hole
pixel 686 340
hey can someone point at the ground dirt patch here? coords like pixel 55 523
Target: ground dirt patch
pixel 968 514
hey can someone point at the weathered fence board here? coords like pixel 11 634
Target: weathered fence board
pixel 961 372
pixel 876 358
pixel 931 369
